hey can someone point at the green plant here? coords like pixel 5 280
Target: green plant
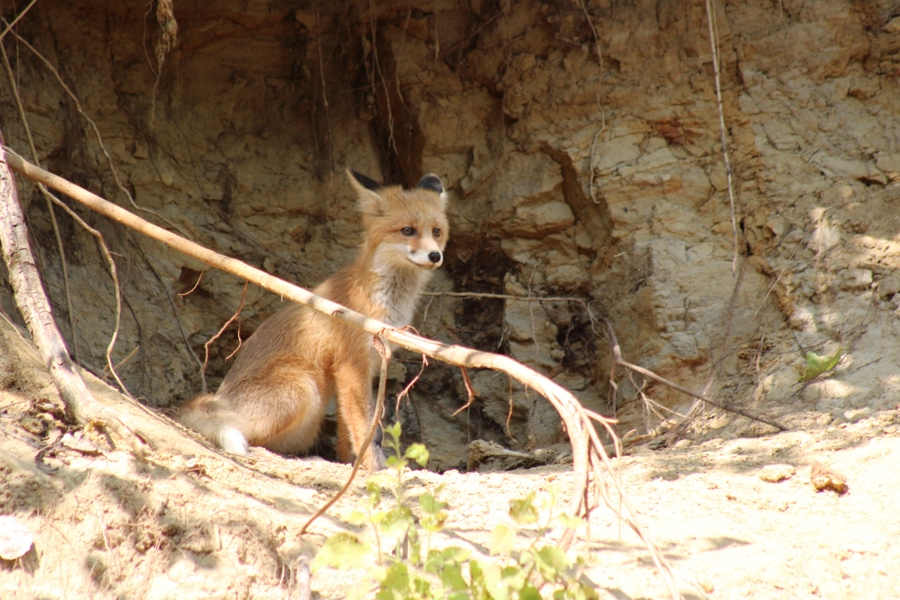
pixel 406 567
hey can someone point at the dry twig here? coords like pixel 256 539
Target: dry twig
pixel 617 355
pixel 211 340
pixel 385 351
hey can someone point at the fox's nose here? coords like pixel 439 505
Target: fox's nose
pixel 434 257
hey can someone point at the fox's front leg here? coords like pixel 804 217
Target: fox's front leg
pixel 355 415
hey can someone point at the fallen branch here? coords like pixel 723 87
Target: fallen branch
pixel 31 300
pixel 589 456
pixel 617 354
pixel 80 405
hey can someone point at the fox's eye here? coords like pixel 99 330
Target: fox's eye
pixel 436 233
pixel 408 231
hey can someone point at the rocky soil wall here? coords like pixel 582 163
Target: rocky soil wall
pixel 581 145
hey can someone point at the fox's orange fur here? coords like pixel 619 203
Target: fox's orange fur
pixel 276 393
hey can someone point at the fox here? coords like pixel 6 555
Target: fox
pixel 276 393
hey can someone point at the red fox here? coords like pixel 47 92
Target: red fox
pixel 276 393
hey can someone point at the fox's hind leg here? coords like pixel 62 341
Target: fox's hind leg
pixel 355 414
pixel 282 410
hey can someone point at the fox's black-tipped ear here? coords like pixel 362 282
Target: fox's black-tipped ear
pixel 368 194
pixel 369 184
pixel 431 182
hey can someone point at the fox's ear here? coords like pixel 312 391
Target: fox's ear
pixel 431 182
pixel 367 190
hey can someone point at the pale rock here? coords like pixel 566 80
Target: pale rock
pixel 828 388
pixel 777 473
pixel 617 151
pixel 889 285
pixel 571 381
pixel 527 322
pixel 532 354
pixel 888 162
pixel 824 419
pixel 858 414
pixel 541 219
pixel 778 385
pixel 778 225
pixel 824 237
pixel 781 135
pixel 684 346
pixel 857 169
pixel 700 253
pixel 855 279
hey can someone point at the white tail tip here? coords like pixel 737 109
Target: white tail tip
pixel 230 439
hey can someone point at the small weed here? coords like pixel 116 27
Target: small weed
pixel 406 567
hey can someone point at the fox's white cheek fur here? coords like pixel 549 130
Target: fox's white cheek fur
pixel 390 253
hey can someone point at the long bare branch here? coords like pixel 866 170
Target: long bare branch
pixel 567 405
pixel 587 457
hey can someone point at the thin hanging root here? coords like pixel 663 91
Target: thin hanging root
pixel 714 46
pixel 590 463
pixel 98 135
pixel 196 285
pixel 211 340
pixel 469 390
pixel 385 351
pixel 410 385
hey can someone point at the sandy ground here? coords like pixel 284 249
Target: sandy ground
pixel 174 519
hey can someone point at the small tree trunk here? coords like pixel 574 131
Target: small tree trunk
pixel 31 299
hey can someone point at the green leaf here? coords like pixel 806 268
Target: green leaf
pixel 396 524
pixel 394 463
pixel 393 431
pixel 342 550
pixel 523 511
pixel 452 577
pixel 503 538
pixel 816 365
pixel 357 517
pixel 418 453
pixel 571 522
pixel 430 505
pixel 493 582
pixel 529 592
pixel 551 562
pixel 395 583
pixel 382 480
pixel 373 489
pixel 437 559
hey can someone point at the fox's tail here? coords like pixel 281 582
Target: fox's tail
pixel 206 415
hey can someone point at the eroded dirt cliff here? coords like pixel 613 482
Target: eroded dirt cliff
pixel 580 142
pixel 581 145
